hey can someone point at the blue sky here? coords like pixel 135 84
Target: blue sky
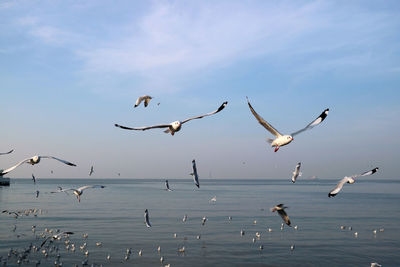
pixel 69 70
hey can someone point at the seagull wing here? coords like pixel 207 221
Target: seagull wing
pixel 314 123
pixel 195 175
pixel 147 101
pixel 139 100
pixel 370 172
pixel 60 160
pixel 143 128
pixel 208 114
pixel 5 153
pixel 146 217
pixel 284 216
pixel 339 186
pixel 89 186
pixel 263 122
pixel 15 166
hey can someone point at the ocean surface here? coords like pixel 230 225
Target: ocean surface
pixel 114 217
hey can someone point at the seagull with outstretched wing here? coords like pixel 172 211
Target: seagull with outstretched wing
pixel 349 180
pixel 34 160
pixel 175 126
pixel 146 218
pixel 280 139
pixel 281 211
pixel 79 191
pixel 296 172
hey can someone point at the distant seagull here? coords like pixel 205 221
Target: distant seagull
pixel 167 186
pixel 34 160
pixel 213 200
pixel 5 153
pixel 91 171
pixel 37 193
pixel 59 189
pixel 349 180
pixel 195 175
pixel 146 218
pixel 146 99
pixel 33 178
pixel 375 264
pixel 203 221
pixel 57 236
pixel 184 219
pixel 282 140
pixel 296 172
pixel 173 126
pixel 79 191
pixel 281 211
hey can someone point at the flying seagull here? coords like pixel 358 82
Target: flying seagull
pixel 79 191
pixel 33 160
pixel 57 236
pixel 5 153
pixel 91 171
pixel 296 172
pixel 146 99
pixel 34 178
pixel 146 218
pixel 167 186
pixel 281 211
pixel 349 180
pixel 195 175
pixel 173 126
pixel 282 140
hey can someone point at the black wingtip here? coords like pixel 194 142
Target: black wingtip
pixel 331 195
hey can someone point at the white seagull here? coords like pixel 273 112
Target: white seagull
pixel 282 140
pixel 5 153
pixel 79 191
pixel 146 218
pixel 167 186
pixel 173 126
pixel 146 99
pixel 33 160
pixel 281 211
pixel 349 180
pixel 195 175
pixel 296 172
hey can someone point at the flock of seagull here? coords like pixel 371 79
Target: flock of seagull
pixel 175 126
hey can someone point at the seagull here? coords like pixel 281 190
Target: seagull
pixel 34 160
pixel 296 172
pixel 146 218
pixel 5 153
pixel 375 264
pixel 195 175
pixel 173 126
pixel 146 99
pixel 34 178
pixel 213 200
pixel 91 171
pixel 349 180
pixel 203 221
pixel 281 211
pixel 282 140
pixel 57 236
pixel 184 218
pixel 79 191
pixel 167 186
pixel 37 193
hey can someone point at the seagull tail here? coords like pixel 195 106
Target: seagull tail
pixel 167 131
pixel 270 140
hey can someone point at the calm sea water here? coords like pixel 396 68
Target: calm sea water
pixel 114 216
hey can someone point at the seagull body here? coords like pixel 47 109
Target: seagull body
pixel 146 99
pixel 146 218
pixel 175 126
pixel 280 139
pixel 195 175
pixel 5 153
pixel 34 160
pixel 281 211
pixel 79 191
pixel 349 180
pixel 167 186
pixel 296 172
pixel 91 171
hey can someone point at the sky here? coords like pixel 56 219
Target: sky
pixel 69 70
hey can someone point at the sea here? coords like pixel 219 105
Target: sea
pixel 114 216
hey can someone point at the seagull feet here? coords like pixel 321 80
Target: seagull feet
pixel 277 148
